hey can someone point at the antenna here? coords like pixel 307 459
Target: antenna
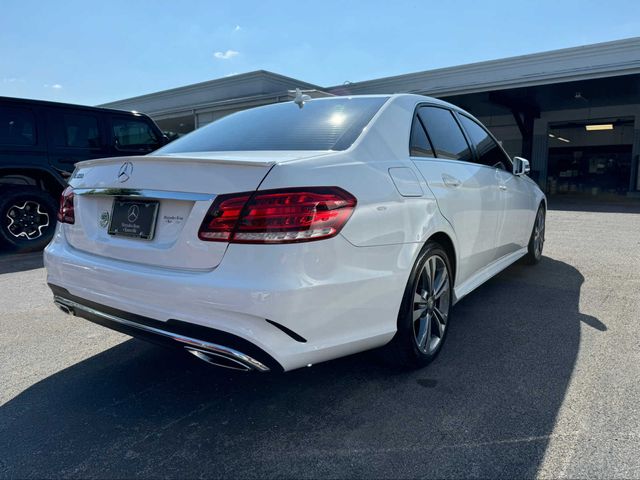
pixel 300 98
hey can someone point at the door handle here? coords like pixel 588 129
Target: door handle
pixel 450 181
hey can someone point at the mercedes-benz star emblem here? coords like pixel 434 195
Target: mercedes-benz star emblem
pixel 104 219
pixel 134 213
pixel 125 172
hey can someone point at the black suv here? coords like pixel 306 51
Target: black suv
pixel 40 142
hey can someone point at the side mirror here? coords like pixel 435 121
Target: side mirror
pixel 521 166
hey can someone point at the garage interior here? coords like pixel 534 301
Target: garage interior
pixel 581 137
pixel 591 158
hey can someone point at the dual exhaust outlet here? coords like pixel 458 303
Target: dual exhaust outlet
pixel 210 353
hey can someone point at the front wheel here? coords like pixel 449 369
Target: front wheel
pixel 425 311
pixel 27 219
pixel 536 241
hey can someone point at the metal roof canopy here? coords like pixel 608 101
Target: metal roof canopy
pixel 598 92
pixel 608 59
pixel 231 89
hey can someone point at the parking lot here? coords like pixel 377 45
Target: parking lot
pixel 540 377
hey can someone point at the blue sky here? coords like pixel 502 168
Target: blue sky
pixel 92 52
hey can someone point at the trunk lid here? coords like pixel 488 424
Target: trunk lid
pixel 184 187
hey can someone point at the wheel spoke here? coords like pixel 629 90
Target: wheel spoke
pixel 443 284
pixel 441 321
pixel 425 276
pixel 424 332
pixel 418 312
pixel 432 274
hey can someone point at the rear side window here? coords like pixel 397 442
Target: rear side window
pixel 76 130
pixel 17 126
pixel 132 133
pixel 445 134
pixel 322 124
pixel 489 152
pixel 419 143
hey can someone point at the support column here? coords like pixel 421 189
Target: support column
pixel 525 125
pixel 540 151
pixel 634 179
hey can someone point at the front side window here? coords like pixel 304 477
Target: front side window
pixel 133 134
pixel 17 126
pixel 320 124
pixel 419 143
pixel 445 134
pixel 489 152
pixel 76 130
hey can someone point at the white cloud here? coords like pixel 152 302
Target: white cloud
pixel 12 80
pixel 237 28
pixel 225 55
pixel 55 86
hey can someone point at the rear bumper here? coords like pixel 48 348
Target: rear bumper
pixel 229 350
pixel 295 304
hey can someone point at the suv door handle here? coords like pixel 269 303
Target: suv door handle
pixel 450 181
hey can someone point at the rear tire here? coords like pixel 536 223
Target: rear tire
pixel 536 241
pixel 425 311
pixel 27 219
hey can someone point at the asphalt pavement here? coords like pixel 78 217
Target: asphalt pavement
pixel 540 377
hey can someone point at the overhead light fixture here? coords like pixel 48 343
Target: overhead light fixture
pixel 551 135
pixel 601 126
pixel 563 140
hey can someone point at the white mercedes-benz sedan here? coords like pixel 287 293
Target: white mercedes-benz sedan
pixel 299 232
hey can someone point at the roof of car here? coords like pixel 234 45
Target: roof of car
pixel 48 103
pixel 412 96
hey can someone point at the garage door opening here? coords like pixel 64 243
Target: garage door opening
pixel 590 158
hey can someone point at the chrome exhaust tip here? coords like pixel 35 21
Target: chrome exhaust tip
pixel 218 359
pixel 65 308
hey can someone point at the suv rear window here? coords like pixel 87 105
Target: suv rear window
pixel 77 130
pixel 17 126
pixel 322 124
pixel 133 134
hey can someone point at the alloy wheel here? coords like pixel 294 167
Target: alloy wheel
pixel 431 304
pixel 538 234
pixel 27 220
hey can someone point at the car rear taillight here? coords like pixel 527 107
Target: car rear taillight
pixel 66 213
pixel 278 216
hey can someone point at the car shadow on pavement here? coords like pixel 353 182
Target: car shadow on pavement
pixel 485 408
pixel 20 262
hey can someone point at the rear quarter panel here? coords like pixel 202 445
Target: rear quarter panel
pixel 382 215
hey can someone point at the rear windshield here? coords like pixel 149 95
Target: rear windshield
pixel 331 124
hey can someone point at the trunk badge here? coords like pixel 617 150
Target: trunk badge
pixel 125 172
pixel 104 219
